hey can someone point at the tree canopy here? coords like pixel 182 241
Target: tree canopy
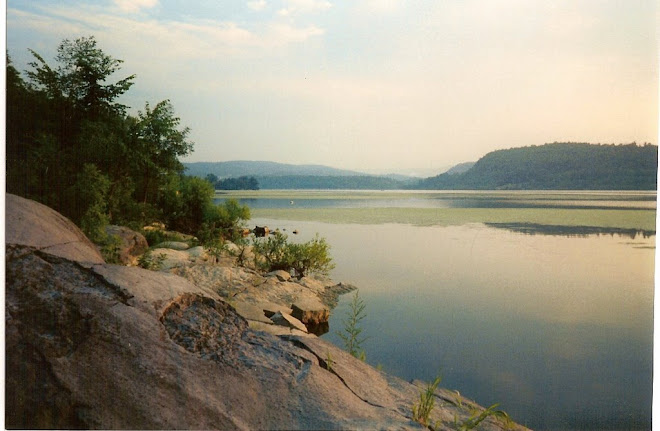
pixel 72 146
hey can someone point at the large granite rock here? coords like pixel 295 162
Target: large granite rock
pixel 30 223
pixel 92 345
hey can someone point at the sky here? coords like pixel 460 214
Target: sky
pixel 373 85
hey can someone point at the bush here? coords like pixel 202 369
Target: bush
pixel 90 190
pixel 276 253
pixel 223 221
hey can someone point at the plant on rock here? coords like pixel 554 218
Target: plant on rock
pixel 352 330
pixel 276 253
pixel 422 410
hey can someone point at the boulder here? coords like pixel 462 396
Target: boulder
pixel 35 225
pixel 198 252
pixel 170 258
pixel 280 274
pixel 132 244
pixel 310 311
pixel 284 319
pixel 174 245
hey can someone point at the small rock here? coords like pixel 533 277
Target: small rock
pixel 280 274
pixel 197 251
pixel 284 319
pixel 310 311
pixel 174 245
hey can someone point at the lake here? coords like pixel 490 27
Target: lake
pixel 539 301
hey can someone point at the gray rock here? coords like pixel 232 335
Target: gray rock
pixel 133 244
pixel 170 258
pixel 35 225
pixel 310 311
pixel 197 252
pixel 280 274
pixel 284 319
pixel 174 245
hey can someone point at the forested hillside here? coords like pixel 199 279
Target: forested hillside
pixel 558 166
pixel 250 168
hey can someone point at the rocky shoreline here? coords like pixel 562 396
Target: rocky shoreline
pixel 201 344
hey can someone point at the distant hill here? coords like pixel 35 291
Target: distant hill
pixel 558 166
pixel 460 168
pixel 272 175
pixel 261 169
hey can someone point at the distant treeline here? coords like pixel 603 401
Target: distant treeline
pixel 558 166
pixel 330 182
pixel 240 183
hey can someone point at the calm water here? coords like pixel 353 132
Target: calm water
pixel 555 325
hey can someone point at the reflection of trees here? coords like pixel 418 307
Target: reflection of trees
pixel 571 231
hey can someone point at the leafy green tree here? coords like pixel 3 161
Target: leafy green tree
pixel 157 141
pixel 81 77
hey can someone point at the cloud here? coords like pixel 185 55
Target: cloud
pixel 380 6
pixel 132 6
pixel 257 5
pixel 185 39
pixel 294 7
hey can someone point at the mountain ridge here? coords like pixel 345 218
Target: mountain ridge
pixel 238 168
pixel 557 165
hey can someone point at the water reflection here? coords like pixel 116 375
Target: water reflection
pixel 557 327
pixel 571 231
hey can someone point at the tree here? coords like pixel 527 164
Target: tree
pixel 156 143
pixel 211 178
pixel 81 77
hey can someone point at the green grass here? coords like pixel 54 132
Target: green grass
pixel 613 218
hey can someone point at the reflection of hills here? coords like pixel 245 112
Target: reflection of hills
pixel 577 231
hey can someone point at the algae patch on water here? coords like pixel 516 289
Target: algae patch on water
pixel 605 218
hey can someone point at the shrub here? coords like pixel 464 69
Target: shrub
pixel 91 189
pixel 276 253
pixel 311 257
pixel 149 261
pixel 110 249
pixel 272 253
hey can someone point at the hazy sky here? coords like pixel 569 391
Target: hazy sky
pixel 372 84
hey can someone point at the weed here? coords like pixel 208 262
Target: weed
pixel 149 261
pixel 477 417
pixel 328 361
pixel 352 330
pixel 422 410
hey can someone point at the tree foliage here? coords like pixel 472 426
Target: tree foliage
pixel 72 146
pixel 240 183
